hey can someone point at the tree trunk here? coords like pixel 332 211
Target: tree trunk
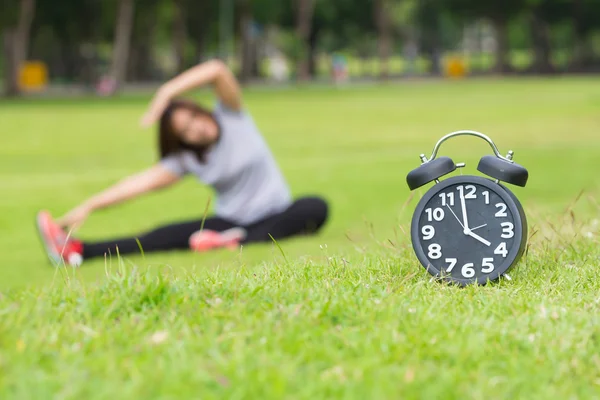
pixel 384 40
pixel 580 54
pixel 304 17
pixel 199 49
pixel 247 41
pixel 16 43
pixel 256 58
pixel 430 36
pixel 122 40
pixel 27 11
pixel 312 52
pixel 179 36
pixel 68 58
pixel 502 64
pixel 11 83
pixel 140 64
pixel 541 45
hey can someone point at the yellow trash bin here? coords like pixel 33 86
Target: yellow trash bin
pixel 455 67
pixel 33 76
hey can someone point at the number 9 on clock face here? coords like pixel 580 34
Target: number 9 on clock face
pixel 468 229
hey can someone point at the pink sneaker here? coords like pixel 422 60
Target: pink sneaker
pixel 59 246
pixel 207 240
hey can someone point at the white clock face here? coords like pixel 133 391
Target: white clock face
pixel 468 230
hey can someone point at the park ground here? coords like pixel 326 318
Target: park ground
pixel 349 313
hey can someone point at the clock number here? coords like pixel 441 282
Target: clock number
pixel 450 197
pixel 502 211
pixel 437 214
pixel 428 232
pixel 468 271
pixel 486 197
pixel 435 251
pixel 507 230
pixel 452 262
pixel 487 265
pixel 470 195
pixel 501 249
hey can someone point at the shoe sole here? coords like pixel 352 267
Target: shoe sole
pixel 54 258
pixel 230 239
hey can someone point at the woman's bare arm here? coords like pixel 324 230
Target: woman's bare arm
pixel 153 178
pixel 213 72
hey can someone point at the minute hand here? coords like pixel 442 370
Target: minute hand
pixel 464 212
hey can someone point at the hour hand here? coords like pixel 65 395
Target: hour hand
pixel 476 236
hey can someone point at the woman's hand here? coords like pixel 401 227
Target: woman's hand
pixel 75 218
pixel 153 178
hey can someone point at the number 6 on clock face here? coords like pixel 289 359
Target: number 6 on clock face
pixel 468 229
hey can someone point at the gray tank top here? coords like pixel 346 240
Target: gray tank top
pixel 240 168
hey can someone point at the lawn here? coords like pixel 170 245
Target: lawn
pixel 349 313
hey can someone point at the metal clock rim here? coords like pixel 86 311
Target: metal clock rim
pixel 511 202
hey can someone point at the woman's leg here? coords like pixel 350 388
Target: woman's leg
pixel 306 215
pixel 174 236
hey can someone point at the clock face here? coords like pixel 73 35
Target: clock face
pixel 468 229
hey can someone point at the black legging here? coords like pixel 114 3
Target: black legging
pixel 305 216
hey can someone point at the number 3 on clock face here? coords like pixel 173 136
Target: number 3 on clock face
pixel 468 229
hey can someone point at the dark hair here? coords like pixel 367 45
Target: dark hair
pixel 168 142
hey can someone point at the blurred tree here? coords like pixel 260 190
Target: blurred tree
pixel 149 22
pixel 396 18
pixel 171 36
pixel 16 22
pixel 428 16
pixel 163 37
pixel 383 20
pixel 67 35
pixel 336 25
pixel 585 18
pixel 304 15
pixel 405 21
pixel 249 57
pixel 541 14
pixel 569 22
pixel 122 40
pixel 499 13
pixel 201 27
pixel 255 16
pixel 580 28
pixel 348 21
pixel 180 34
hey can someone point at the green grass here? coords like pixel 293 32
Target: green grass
pixel 349 313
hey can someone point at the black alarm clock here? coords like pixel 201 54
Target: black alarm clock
pixel 468 229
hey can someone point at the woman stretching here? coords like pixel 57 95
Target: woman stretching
pixel 223 149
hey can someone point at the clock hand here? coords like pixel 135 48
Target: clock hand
pixel 480 226
pixel 455 216
pixel 468 231
pixel 464 212
pixel 474 235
